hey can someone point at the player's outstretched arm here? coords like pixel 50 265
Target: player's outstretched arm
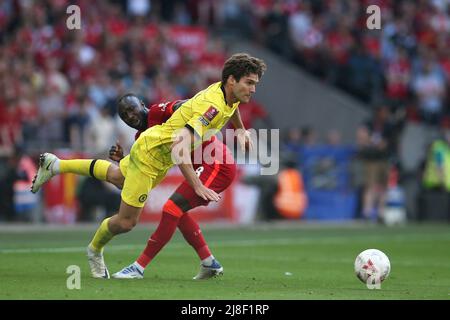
pixel 181 153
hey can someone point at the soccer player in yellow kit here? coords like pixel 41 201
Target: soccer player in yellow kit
pixel 160 147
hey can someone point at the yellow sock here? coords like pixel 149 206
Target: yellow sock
pixel 94 168
pixel 101 237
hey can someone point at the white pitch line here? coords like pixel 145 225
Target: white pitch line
pixel 226 243
pixel 239 243
pixel 62 249
pixel 229 243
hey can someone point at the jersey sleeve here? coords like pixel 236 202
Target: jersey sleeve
pixel 157 114
pixel 205 117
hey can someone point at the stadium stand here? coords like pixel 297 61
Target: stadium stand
pixel 58 88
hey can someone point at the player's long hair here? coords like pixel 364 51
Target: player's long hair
pixel 242 64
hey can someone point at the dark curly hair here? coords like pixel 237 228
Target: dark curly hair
pixel 240 65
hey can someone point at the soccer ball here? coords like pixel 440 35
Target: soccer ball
pixel 372 266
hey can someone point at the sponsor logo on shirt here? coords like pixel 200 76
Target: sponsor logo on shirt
pixel 211 113
pixel 142 198
pixel 204 121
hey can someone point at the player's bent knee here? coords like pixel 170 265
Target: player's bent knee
pixel 181 202
pixel 171 208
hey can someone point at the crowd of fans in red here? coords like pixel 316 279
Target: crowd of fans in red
pixel 405 64
pixel 58 87
pixel 54 81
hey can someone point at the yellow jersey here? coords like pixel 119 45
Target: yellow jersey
pixel 206 113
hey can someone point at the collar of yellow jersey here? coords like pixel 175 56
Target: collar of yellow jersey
pixel 225 96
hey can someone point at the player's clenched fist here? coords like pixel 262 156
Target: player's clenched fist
pixel 116 152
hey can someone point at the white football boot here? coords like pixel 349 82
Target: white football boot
pixel 207 272
pixel 130 272
pixel 45 172
pixel 97 264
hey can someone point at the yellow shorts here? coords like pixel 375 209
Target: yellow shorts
pixel 141 174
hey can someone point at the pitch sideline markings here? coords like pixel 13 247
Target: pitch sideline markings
pixel 242 243
pixel 226 243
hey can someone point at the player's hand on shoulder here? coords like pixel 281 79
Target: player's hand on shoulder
pixel 116 152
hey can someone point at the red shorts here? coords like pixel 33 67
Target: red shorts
pixel 216 176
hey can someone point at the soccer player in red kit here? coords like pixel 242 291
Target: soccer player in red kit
pixel 216 171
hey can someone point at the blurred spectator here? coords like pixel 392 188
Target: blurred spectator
pixel 16 172
pixel 290 200
pixel 51 112
pixel 436 175
pixel 139 8
pixel 338 42
pixel 101 89
pixel 434 197
pixel 164 89
pixel 363 75
pixel 276 25
pixel 382 129
pixel 297 139
pixel 293 140
pixel 372 155
pixel 100 134
pixel 309 136
pixel 333 138
pixel 10 124
pixel 181 14
pixel 137 82
pixel 398 78
pixel 25 202
pixel 429 89
pixel 300 22
pixel 80 111
pixel 54 78
pixel 282 195
pixel 8 176
pixel 394 212
pixel 28 111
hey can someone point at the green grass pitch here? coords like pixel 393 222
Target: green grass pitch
pixel 287 261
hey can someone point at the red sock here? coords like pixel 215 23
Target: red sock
pixel 159 238
pixel 193 235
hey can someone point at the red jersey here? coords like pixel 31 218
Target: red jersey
pixel 158 114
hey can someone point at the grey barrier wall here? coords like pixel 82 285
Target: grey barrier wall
pixel 294 98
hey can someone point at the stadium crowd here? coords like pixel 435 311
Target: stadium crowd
pixel 405 65
pixel 136 47
pixel 58 87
